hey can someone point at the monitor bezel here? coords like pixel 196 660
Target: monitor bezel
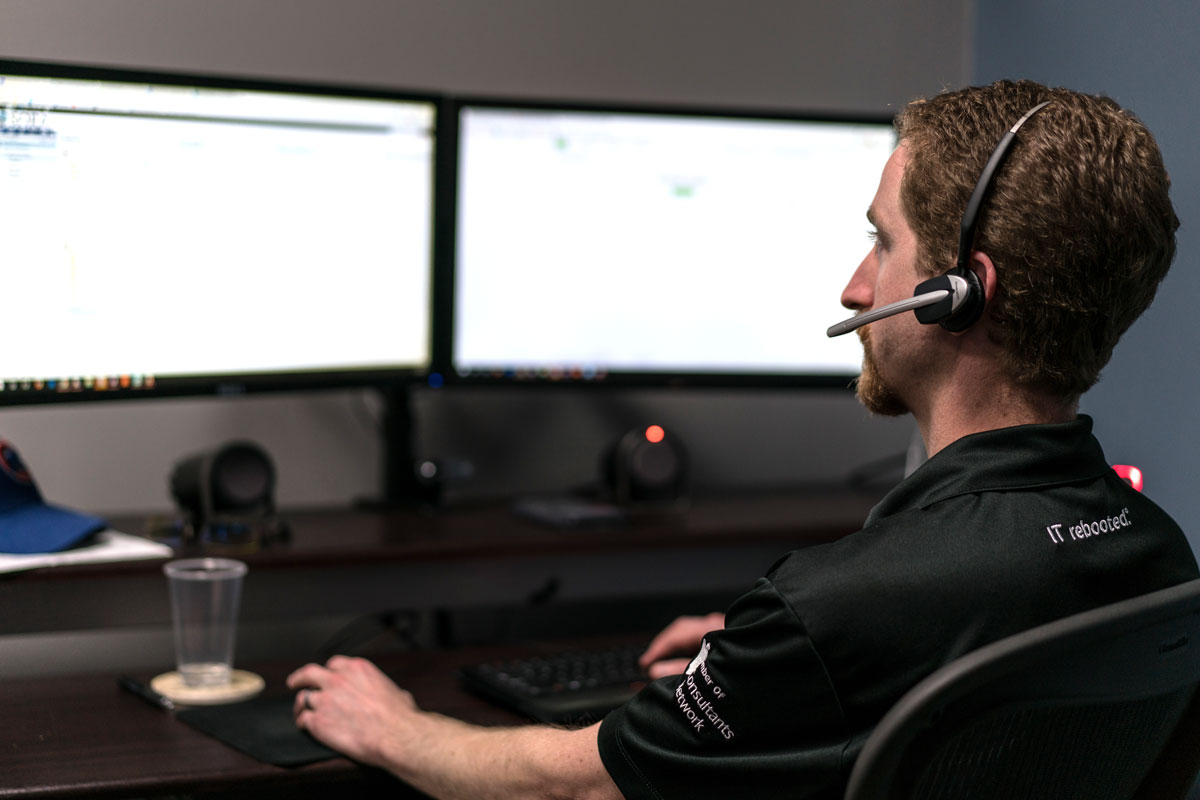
pixel 243 383
pixel 445 313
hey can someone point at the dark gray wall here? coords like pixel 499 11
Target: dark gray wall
pixel 1144 56
pixel 856 55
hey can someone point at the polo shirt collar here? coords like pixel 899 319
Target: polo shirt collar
pixel 1020 457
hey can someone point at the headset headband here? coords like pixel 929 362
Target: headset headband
pixel 970 219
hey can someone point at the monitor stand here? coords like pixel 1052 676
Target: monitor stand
pixel 402 486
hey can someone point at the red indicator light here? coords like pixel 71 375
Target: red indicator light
pixel 1132 475
pixel 655 434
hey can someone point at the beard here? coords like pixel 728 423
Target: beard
pixel 872 390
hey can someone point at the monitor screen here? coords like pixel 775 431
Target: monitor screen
pixel 632 245
pixel 177 234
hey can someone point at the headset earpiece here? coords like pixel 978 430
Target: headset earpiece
pixel 961 308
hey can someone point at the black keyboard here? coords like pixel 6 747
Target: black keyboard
pixel 571 686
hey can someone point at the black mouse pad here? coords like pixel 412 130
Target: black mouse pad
pixel 262 728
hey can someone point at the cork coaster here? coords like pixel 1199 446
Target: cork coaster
pixel 242 686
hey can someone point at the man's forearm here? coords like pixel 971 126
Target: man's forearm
pixel 453 760
pixel 350 705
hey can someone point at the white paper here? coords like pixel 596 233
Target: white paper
pixel 108 546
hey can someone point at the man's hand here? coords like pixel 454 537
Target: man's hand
pixel 351 706
pixel 681 636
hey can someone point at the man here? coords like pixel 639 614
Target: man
pixel 1016 519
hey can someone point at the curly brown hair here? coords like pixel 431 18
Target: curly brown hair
pixel 1078 221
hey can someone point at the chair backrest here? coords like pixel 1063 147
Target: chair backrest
pixel 1096 705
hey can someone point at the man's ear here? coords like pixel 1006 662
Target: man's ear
pixel 981 264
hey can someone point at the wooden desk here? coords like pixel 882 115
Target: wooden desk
pixel 83 736
pixel 351 562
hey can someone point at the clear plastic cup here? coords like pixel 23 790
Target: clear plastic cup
pixel 205 595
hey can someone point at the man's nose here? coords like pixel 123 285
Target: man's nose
pixel 859 292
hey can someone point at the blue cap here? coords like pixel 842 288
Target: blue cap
pixel 27 524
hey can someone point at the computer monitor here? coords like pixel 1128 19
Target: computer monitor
pixel 180 234
pixel 628 245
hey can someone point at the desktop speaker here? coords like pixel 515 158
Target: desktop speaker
pixel 236 478
pixel 227 494
pixel 646 465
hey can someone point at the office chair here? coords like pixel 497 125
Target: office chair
pixel 1098 705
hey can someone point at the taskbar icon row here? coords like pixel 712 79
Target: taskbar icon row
pixel 97 383
pixel 553 373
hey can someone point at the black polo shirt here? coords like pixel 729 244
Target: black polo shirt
pixel 997 533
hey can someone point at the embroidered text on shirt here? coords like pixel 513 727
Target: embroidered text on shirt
pixel 692 695
pixel 1086 530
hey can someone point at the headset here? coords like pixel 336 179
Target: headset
pixel 955 299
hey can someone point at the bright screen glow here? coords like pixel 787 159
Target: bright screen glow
pixel 156 231
pixel 593 243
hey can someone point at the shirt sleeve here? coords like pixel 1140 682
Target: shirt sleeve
pixel 754 715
